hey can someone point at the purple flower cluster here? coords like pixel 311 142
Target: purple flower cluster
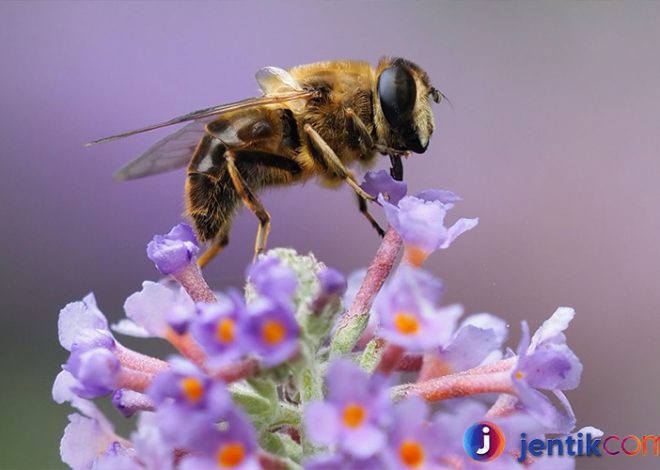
pixel 302 370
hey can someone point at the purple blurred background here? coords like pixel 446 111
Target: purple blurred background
pixel 552 141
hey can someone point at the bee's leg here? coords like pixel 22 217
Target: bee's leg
pixel 334 163
pixel 362 204
pixel 219 244
pixel 250 200
pixel 366 138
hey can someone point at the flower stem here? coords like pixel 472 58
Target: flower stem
pixel 353 323
pixel 503 406
pixel 409 363
pixel 390 358
pixel 193 282
pixel 187 346
pixel 138 361
pixel 238 371
pixel 456 386
pixel 134 380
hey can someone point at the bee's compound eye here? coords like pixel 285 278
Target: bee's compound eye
pixel 397 92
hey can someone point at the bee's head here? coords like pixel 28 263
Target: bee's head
pixel 403 107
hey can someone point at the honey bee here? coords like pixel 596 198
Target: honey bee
pixel 313 120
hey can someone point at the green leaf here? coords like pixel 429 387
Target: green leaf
pixel 371 355
pixel 347 337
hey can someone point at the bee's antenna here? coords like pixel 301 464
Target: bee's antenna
pixel 439 96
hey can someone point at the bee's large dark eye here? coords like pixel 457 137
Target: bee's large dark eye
pixel 397 92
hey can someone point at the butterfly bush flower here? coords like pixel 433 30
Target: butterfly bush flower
pixel 174 251
pixel 220 329
pixel 414 442
pixel 352 415
pixel 299 370
pixel 547 363
pixel 380 182
pixel 272 279
pixel 272 331
pixel 418 219
pixel 408 315
pixel 233 447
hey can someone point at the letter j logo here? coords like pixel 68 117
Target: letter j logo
pixel 483 441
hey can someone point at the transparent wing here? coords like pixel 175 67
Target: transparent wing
pixel 217 110
pixel 169 153
pixel 276 80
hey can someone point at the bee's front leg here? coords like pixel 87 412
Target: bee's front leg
pixel 334 163
pixel 366 138
pixel 364 210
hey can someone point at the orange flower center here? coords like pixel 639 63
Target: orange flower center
pixel 415 256
pixel 519 375
pixel 354 415
pixel 225 332
pixel 412 453
pixel 273 332
pixel 231 455
pixel 192 389
pixel 406 323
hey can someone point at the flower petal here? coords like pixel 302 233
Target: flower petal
pixel 78 316
pixel 322 423
pixel 553 326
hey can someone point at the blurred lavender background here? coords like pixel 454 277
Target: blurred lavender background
pixel 552 141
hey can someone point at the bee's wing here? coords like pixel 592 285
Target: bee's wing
pixel 276 80
pixel 287 96
pixel 169 153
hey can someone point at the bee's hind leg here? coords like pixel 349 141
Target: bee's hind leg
pixel 219 244
pixel 251 201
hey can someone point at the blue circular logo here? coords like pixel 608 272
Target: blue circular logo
pixel 483 441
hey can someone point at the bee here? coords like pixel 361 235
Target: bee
pixel 314 120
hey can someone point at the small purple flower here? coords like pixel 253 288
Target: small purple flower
pixel 77 317
pixel 93 364
pixel 128 402
pixel 157 308
pixel 408 315
pixel 173 252
pixel 188 387
pixel 414 442
pixel 332 282
pixel 450 425
pixel 149 444
pixel 271 278
pixel 86 438
pixel 352 417
pixel 272 331
pixel 188 403
pixel 234 446
pixel 419 220
pixel 381 182
pixel 547 363
pixel 477 341
pixel 332 286
pixel 219 329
